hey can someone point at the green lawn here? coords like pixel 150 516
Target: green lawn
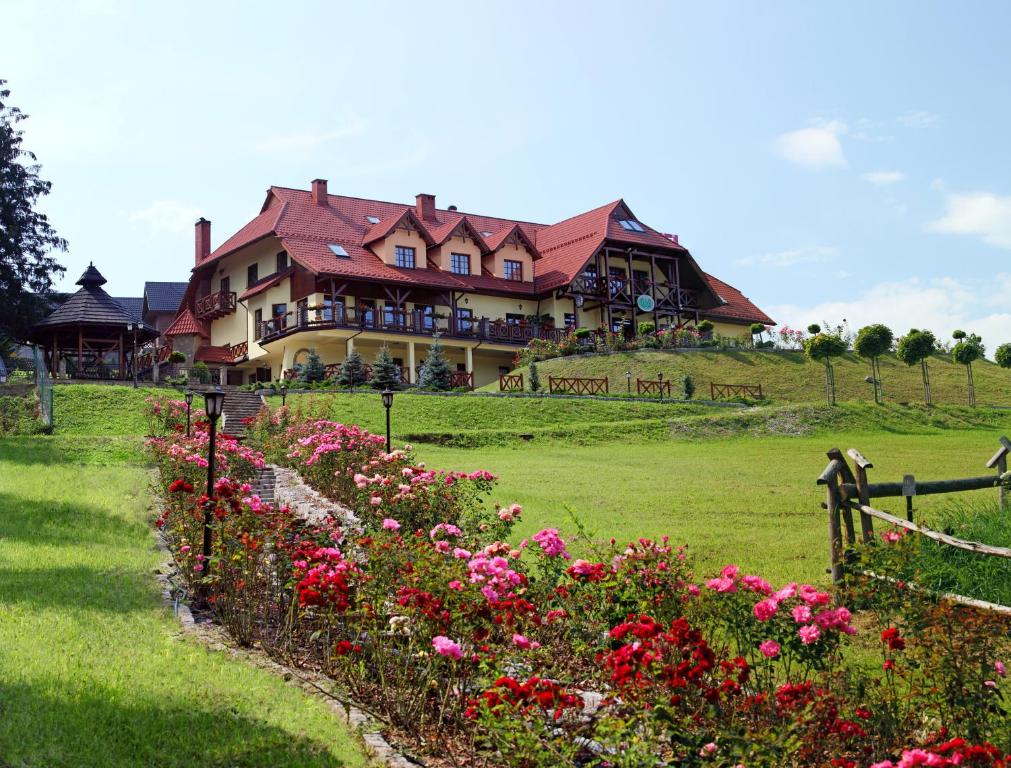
pixel 93 671
pixel 749 501
pixel 789 377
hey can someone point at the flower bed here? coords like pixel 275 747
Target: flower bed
pixel 479 649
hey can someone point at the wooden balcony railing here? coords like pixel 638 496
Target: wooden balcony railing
pixel 215 305
pixel 239 351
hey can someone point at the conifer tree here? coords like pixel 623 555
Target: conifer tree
pixel 313 370
pixel 385 371
pixel 535 378
pixel 352 371
pixel 435 372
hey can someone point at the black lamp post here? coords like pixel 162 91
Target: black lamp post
pixel 189 406
pixel 659 377
pixel 628 381
pixel 388 404
pixel 284 393
pixel 214 402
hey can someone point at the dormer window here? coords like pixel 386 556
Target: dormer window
pixel 372 219
pixel 459 263
pixel 512 270
pixel 338 250
pixel 282 261
pixel 404 257
pixel 631 225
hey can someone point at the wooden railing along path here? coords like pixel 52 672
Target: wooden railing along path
pixel 848 490
pixel 660 388
pixel 716 391
pixel 571 385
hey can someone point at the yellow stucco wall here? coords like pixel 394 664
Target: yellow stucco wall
pixel 457 244
pixel 496 261
pixel 386 249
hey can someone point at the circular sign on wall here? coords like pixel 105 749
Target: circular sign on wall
pixel 579 301
pixel 645 303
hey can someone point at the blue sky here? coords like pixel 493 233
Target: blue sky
pixel 833 161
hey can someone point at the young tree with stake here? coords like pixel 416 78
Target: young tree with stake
pixel 915 347
pixel 873 341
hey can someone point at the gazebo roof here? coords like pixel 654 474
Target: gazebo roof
pixel 91 306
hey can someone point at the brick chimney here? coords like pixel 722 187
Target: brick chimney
pixel 203 239
pixel 425 206
pixel 319 191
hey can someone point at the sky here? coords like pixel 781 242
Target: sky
pixel 833 161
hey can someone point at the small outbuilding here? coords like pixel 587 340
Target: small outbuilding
pixel 91 335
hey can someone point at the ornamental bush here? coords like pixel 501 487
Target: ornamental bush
pixel 1002 355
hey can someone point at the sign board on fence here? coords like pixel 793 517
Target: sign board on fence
pixel 645 303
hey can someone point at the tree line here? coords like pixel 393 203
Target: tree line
pixel 916 347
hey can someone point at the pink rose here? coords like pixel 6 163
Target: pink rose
pixel 390 524
pixel 809 634
pixel 446 647
pixel 769 648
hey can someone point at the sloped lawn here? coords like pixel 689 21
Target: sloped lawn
pixel 93 671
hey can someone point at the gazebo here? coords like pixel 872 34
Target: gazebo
pixel 93 335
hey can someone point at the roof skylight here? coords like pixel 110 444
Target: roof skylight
pixel 486 234
pixel 372 219
pixel 631 225
pixel 338 250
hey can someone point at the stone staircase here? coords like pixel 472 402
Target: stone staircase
pixel 264 484
pixel 239 405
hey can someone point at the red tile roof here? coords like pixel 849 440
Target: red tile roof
pixel 208 354
pixel 738 307
pixel 306 230
pixel 186 323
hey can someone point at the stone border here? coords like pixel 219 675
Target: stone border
pixel 214 638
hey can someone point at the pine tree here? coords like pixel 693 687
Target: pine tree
pixel 435 372
pixel 26 236
pixel 535 378
pixel 385 371
pixel 313 370
pixel 352 371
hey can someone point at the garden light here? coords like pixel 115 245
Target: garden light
pixel 214 402
pixel 628 380
pixel 387 404
pixel 189 407
pixel 284 393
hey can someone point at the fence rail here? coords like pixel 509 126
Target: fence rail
pixel 571 385
pixel 717 391
pixel 649 387
pixel 508 382
pixel 461 379
pixel 847 490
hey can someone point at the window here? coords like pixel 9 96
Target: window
pixel 226 284
pixel 504 370
pixel 464 319
pixel 570 319
pixel 372 219
pixel 459 263
pixel 513 270
pixel 338 250
pixel 404 256
pixel 282 261
pixel 257 322
pixel 461 368
pixel 631 225
pixel 276 310
pixel 426 311
pixel 252 275
pixel 368 311
pixel 513 319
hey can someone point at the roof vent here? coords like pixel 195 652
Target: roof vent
pixel 452 208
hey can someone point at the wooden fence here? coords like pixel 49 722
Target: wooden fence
pixel 847 490
pixel 717 391
pixel 649 387
pixel 571 385
pixel 508 382
pixel 458 379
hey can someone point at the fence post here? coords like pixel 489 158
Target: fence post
pixel 834 529
pixel 909 491
pixel 846 477
pixel 999 461
pixel 863 493
pixel 712 391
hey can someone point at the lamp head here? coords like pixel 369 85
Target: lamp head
pixel 189 397
pixel 628 374
pixel 659 376
pixel 387 398
pixel 214 402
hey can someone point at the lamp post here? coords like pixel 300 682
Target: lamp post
pixel 388 404
pixel 284 393
pixel 133 360
pixel 659 377
pixel 214 402
pixel 189 406
pixel 628 381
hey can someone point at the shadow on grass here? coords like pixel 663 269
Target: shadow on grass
pixel 64 726
pixel 59 523
pixel 79 588
pixel 63 449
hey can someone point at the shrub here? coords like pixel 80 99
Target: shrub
pixel 201 372
pixel 435 371
pixel 647 328
pixel 534 378
pixel 351 372
pixel 1002 355
pixel 385 371
pixel 581 333
pixel 175 356
pixel 688 386
pixel 313 371
pixel 871 342
pixel 705 326
pixel 814 329
pixel 823 347
pixel 915 347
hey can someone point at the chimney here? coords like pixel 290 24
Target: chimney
pixel 425 207
pixel 203 239
pixel 319 191
pixel 672 238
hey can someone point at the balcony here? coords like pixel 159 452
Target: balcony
pixel 215 305
pixel 414 322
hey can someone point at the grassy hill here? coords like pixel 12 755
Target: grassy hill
pixel 787 377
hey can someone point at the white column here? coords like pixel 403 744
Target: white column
pixel 469 357
pixel 411 375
